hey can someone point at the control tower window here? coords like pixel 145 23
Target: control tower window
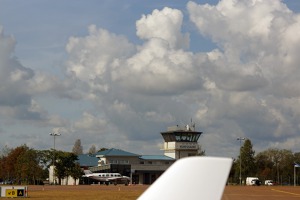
pixel 184 137
pixel 197 137
pixel 181 136
pixel 178 137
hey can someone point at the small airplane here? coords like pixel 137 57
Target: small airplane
pixel 107 178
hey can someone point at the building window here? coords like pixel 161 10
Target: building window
pixel 124 162
pixel 150 162
pixel 142 162
pixel 113 161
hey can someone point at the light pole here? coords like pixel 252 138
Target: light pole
pixel 295 165
pixel 54 135
pixel 240 139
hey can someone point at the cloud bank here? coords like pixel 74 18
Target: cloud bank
pixel 248 86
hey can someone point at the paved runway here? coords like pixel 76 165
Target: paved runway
pixel 261 192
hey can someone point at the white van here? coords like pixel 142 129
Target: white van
pixel 253 181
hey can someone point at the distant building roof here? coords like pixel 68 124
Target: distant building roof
pixel 115 152
pixel 157 157
pixel 88 160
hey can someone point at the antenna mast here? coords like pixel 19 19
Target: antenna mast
pixel 193 124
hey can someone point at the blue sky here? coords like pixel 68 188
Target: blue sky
pixel 116 74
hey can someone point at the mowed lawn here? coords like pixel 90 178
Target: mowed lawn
pixel 111 192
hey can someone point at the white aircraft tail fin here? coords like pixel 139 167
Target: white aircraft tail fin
pixel 191 178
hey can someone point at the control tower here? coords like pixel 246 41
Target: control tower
pixel 181 142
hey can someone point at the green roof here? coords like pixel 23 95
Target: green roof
pixel 88 160
pixel 115 152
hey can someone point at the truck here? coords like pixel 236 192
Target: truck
pixel 253 181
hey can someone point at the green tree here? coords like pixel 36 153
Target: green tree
pixel 64 163
pixel 233 174
pixel 45 158
pixel 265 166
pixel 2 167
pixel 276 164
pixel 76 172
pixel 247 160
pixel 275 156
pixel 27 167
pixel 283 160
pixel 10 162
pixel 297 157
pixel 21 165
pixel 297 160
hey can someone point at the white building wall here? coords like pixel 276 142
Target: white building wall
pixel 52 178
pixel 179 150
pixel 69 181
pixel 169 145
pixel 170 154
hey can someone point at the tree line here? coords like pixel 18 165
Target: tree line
pixel 271 164
pixel 24 165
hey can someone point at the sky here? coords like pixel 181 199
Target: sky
pixel 116 74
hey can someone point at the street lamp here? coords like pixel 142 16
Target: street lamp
pixel 54 135
pixel 295 165
pixel 240 139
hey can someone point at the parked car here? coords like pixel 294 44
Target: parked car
pixel 269 182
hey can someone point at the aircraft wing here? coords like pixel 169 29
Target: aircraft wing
pixel 191 178
pixel 117 178
pixel 113 178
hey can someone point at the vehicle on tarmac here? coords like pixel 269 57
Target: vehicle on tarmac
pixel 253 181
pixel 107 178
pixel 269 182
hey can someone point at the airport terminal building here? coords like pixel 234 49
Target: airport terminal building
pixel 143 169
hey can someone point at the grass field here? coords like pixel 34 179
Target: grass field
pixel 86 192
pixel 111 192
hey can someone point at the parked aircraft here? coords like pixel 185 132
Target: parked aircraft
pixel 107 178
